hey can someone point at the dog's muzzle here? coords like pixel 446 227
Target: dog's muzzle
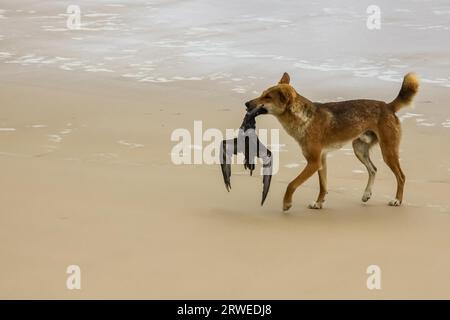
pixel 255 111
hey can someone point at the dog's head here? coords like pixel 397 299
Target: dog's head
pixel 275 100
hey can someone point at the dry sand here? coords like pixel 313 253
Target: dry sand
pixel 87 179
pixel 141 227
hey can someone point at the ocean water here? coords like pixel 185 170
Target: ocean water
pixel 235 42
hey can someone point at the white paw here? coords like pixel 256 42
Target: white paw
pixel 287 206
pixel 395 203
pixel 315 205
pixel 366 196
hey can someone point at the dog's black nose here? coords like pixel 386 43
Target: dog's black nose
pixel 247 104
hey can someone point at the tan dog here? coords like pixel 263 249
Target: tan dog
pixel 321 127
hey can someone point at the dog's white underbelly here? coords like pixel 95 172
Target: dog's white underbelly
pixel 363 137
pixel 332 147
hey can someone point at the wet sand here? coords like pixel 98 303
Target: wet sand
pixel 87 179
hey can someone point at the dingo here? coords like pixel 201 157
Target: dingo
pixel 321 127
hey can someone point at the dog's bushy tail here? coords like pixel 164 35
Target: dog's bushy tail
pixel 410 86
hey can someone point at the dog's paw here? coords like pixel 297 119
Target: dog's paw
pixel 315 205
pixel 366 196
pixel 395 203
pixel 287 206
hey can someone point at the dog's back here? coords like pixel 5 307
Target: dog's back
pixel 345 120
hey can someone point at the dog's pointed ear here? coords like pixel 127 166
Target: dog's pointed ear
pixel 285 79
pixel 283 96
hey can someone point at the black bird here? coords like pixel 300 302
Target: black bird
pixel 247 143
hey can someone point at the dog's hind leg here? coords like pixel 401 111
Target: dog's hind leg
pixel 361 147
pixel 322 172
pixel 389 144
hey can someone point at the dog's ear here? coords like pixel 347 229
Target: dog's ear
pixel 285 79
pixel 285 96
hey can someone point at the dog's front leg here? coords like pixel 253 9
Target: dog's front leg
pixel 322 183
pixel 312 166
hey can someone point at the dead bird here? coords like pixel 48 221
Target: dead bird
pixel 247 142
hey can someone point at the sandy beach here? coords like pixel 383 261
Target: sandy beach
pixel 87 177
